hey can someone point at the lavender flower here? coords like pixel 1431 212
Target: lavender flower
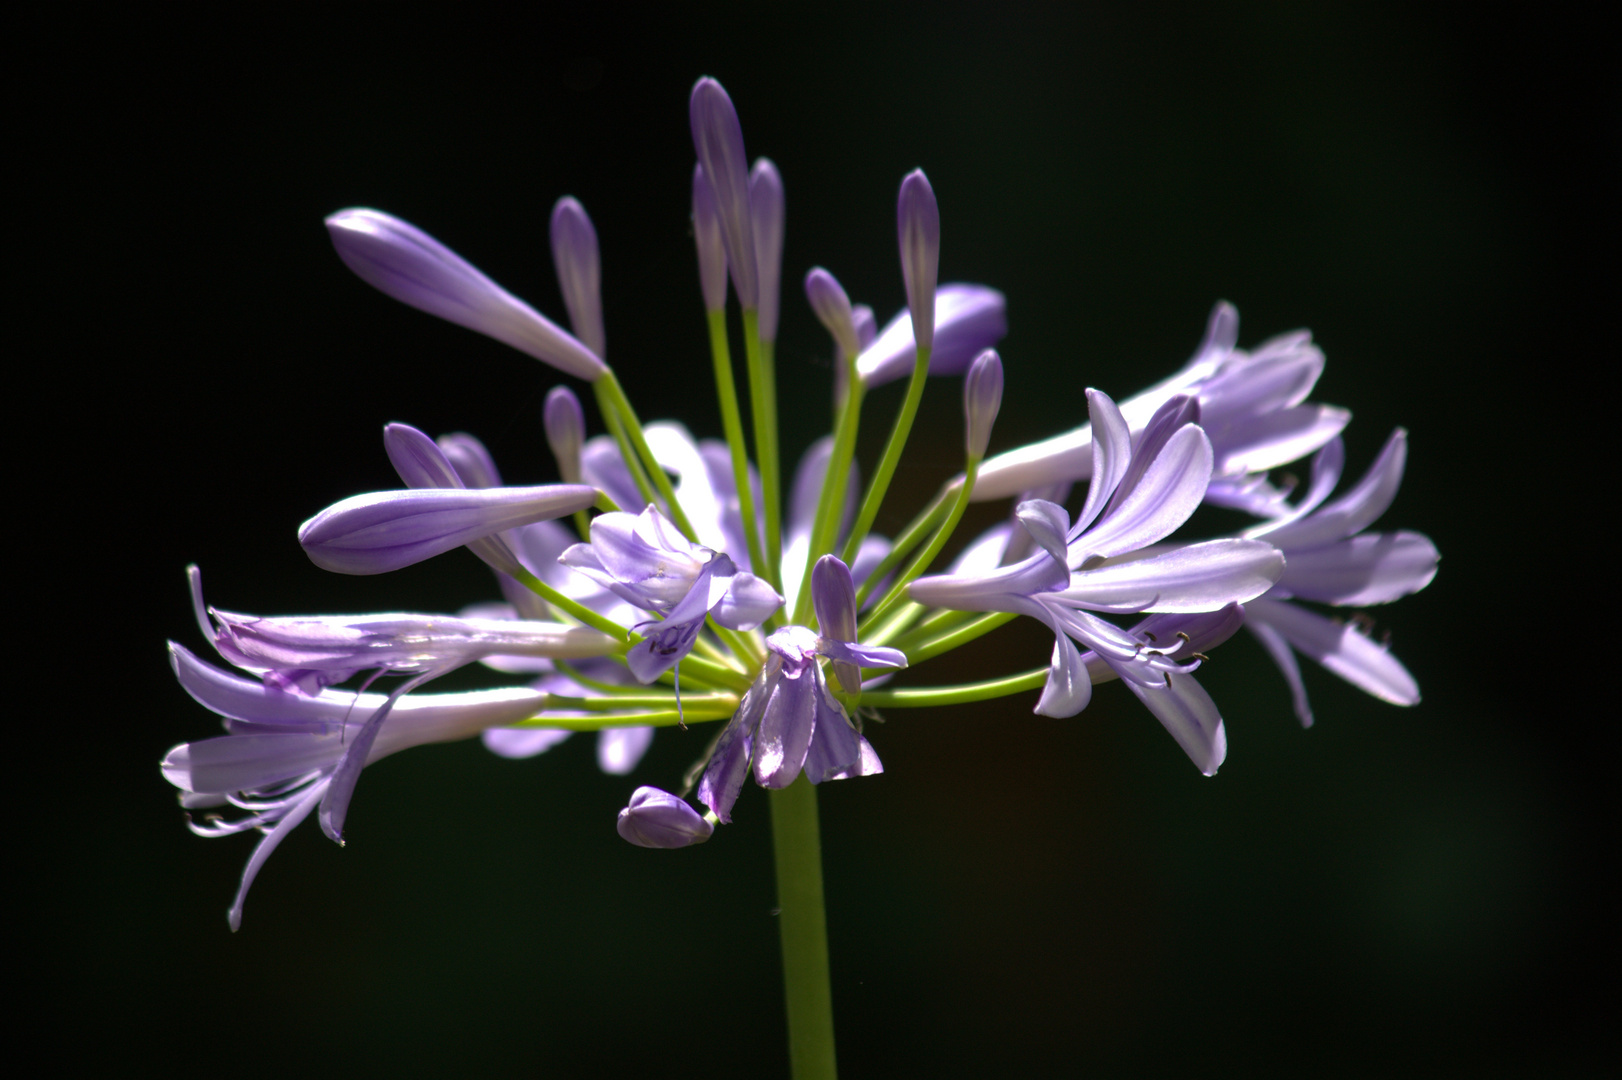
pixel 645 561
pixel 1251 405
pixel 399 259
pixel 718 138
pixel 1332 561
pixel 1140 494
pixel 969 319
pixel 833 310
pixel 657 819
pixel 285 752
pixel 789 722
pixel 580 272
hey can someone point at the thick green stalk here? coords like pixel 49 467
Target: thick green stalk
pixel 763 414
pixel 803 926
pixel 610 395
pixel 732 423
pixel 892 456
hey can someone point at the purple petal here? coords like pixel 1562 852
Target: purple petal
pixel 982 397
pixel 1184 708
pixel 786 727
pixel 918 233
pixel 833 598
pixel 1284 657
pixel 1112 455
pixel 256 862
pixel 473 464
pixel 580 272
pixel 1373 568
pixel 729 762
pixel 565 424
pixel 968 320
pixel 718 139
pixel 1352 512
pixel 767 219
pixel 747 603
pixel 1340 647
pixel 406 263
pixel 1278 438
pixel 836 748
pixel 602 467
pixel 872 656
pixel 417 459
pixel 657 819
pixel 519 743
pixel 1068 689
pixel 1169 491
pixel 712 248
pixel 1048 525
pixel 1199 577
pixel 619 749
pixel 832 307
pixel 386 530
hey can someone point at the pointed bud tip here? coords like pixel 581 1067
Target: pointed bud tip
pixel 982 397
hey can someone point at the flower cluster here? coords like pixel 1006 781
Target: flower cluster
pixel 669 580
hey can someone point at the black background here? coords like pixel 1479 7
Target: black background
pixel 1404 891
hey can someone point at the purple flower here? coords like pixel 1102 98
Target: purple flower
pixel 918 234
pixel 1251 406
pixel 399 259
pixel 580 272
pixel 386 530
pixel 285 752
pixel 969 319
pixel 789 721
pixel 657 819
pixel 1332 561
pixel 645 561
pixel 1139 494
pixel 718 139
pixel 766 218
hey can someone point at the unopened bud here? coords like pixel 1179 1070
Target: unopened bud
pixel 982 396
pixel 565 424
pixel 657 819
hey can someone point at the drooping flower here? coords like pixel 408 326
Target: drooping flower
pixel 1332 561
pixel 789 721
pixel 644 560
pixel 1140 493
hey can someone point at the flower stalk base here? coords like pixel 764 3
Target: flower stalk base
pixel 803 925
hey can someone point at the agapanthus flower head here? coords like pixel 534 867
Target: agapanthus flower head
pixel 397 258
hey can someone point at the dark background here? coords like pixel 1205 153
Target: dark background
pixel 1415 891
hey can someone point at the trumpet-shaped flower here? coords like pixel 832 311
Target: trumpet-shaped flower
pixel 1332 561
pixel 1139 495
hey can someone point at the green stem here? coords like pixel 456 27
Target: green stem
pixel 572 607
pixel 910 537
pixel 661 718
pixel 616 428
pixel 831 503
pixel 961 636
pixel 925 696
pixel 899 589
pixel 608 387
pixel 732 423
pixel 892 456
pixel 763 414
pixel 803 925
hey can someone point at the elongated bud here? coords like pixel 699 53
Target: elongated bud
pixel 386 530
pixel 565 424
pixel 657 819
pixel 982 397
pixel 397 258
pixel 718 139
pixel 867 326
pixel 766 217
pixel 833 595
pixel 580 272
pixel 968 320
pixel 470 459
pixel 417 459
pixel 712 248
pixel 833 310
pixel 918 230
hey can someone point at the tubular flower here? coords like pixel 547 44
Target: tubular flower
pixel 1139 495
pixel 1332 561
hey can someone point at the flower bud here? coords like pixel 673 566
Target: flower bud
pixel 766 217
pixel 657 819
pixel 397 258
pixel 580 272
pixel 470 459
pixel 918 230
pixel 833 310
pixel 833 595
pixel 565 425
pixel 718 138
pixel 867 326
pixel 968 320
pixel 712 250
pixel 982 396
